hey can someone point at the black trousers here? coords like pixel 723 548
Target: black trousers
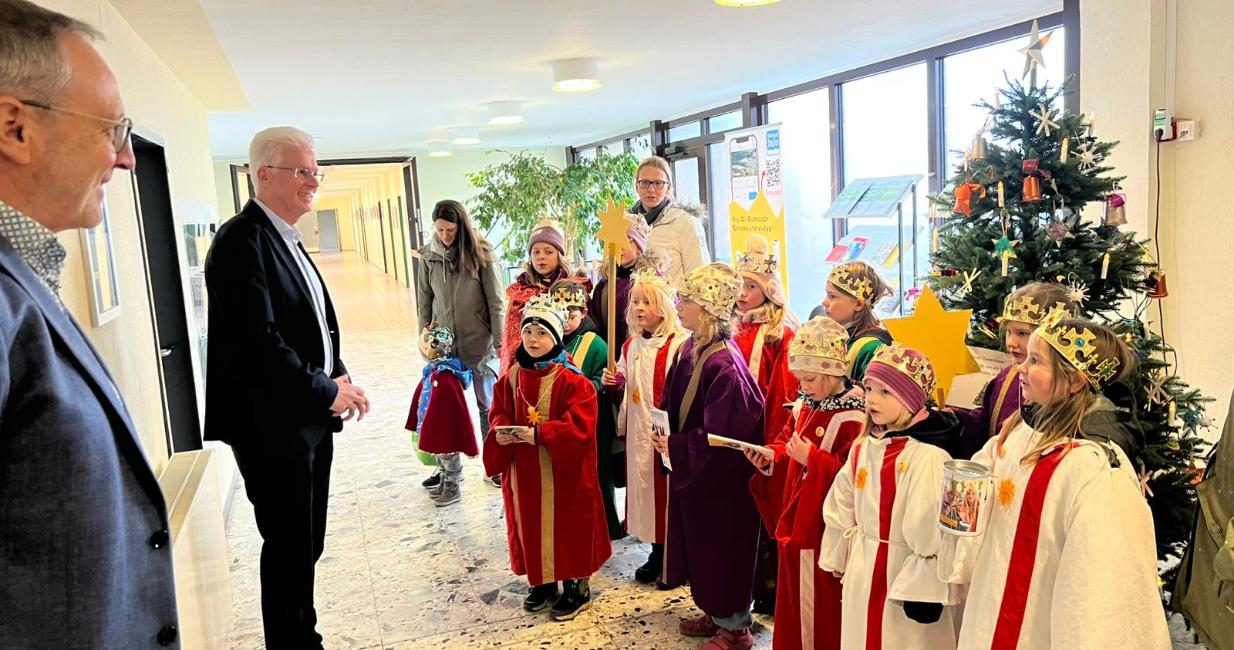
pixel 287 479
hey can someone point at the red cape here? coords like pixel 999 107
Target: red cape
pixel 779 386
pixel 447 426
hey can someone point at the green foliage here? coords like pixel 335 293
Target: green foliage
pixel 516 194
pixel 967 243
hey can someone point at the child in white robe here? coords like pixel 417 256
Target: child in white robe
pixel 881 514
pixel 1067 558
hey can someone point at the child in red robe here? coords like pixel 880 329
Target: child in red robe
pixel 439 412
pixel 790 488
pixel 543 445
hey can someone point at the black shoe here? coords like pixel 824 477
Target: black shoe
pixel 432 481
pixel 494 481
pixel 540 598
pixel 575 599
pixel 650 571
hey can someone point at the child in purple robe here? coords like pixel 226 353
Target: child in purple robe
pixel 1023 311
pixel 713 522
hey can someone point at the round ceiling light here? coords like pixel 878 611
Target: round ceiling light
pixel 505 113
pixel 576 75
pixel 465 135
pixel 439 149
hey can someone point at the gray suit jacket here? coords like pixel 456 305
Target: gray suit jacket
pixel 85 560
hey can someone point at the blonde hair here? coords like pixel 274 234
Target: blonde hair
pixel 900 424
pixel 710 329
pixel 1061 420
pixel 661 164
pixel 879 289
pixel 661 303
pixel 776 317
pixel 268 143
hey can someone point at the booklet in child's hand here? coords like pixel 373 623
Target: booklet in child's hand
pixel 522 434
pixel 721 441
pixel 660 429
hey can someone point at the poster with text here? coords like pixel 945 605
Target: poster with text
pixel 757 190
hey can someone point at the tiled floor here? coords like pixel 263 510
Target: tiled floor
pixel 400 573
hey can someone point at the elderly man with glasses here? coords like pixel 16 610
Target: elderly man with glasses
pixel 85 557
pixel 276 386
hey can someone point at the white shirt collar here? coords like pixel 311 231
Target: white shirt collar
pixel 285 229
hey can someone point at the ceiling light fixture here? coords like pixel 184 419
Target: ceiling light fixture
pixel 576 75
pixel 505 113
pixel 465 135
pixel 745 3
pixel 439 149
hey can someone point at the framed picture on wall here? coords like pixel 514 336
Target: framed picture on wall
pixel 100 262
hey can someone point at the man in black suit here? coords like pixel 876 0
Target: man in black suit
pixel 276 387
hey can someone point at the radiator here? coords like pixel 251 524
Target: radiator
pixel 190 485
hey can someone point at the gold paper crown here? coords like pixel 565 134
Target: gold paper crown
pixel 647 275
pixel 820 344
pixel 715 287
pixel 909 362
pixel 572 297
pixel 1078 347
pixel 860 289
pixel 756 258
pixel 1023 310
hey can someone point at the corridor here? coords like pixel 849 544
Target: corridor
pixel 400 573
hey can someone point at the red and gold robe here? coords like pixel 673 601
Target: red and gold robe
pixel 790 499
pixel 554 512
pixel 768 364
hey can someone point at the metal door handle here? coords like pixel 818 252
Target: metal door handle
pixel 166 352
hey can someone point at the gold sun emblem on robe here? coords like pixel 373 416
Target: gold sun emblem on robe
pixel 860 481
pixel 533 416
pixel 1006 492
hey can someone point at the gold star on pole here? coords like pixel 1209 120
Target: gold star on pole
pixel 1033 56
pixel 1045 124
pixel 939 335
pixel 613 225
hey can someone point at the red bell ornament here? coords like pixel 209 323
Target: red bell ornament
pixel 964 197
pixel 1156 284
pixel 1031 192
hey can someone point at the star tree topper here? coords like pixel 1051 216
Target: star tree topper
pixel 1033 56
pixel 939 335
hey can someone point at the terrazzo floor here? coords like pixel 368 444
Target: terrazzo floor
pixel 400 573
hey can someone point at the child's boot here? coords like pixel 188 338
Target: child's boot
pixel 575 599
pixel 541 597
pixel 448 492
pixel 650 571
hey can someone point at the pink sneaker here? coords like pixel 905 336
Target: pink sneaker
pixel 725 640
pixel 698 626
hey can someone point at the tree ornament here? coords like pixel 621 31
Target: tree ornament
pixel 978 150
pixel 1058 230
pixel 1115 212
pixel 1077 292
pixel 1004 250
pixel 1044 124
pixel 1033 56
pixel 964 289
pixel 964 197
pixel 1064 149
pixel 1087 157
pixel 1031 192
pixel 1156 284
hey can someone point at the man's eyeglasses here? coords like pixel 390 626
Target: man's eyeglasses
pixel 120 129
pixel 659 185
pixel 302 173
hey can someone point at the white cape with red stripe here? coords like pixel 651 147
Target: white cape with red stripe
pixel 643 473
pixel 854 516
pixel 1092 581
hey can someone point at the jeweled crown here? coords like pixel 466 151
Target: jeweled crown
pixel 545 306
pixel 436 341
pixel 1079 348
pixel 1023 310
pixel 715 287
pixel 859 288
pixel 757 258
pixel 910 363
pixel 822 338
pixel 649 276
pixel 573 296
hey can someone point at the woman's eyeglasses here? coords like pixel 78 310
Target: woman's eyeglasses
pixel 659 185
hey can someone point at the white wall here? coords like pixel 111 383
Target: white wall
pixel 1124 76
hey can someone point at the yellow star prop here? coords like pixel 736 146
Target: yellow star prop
pixel 939 335
pixel 613 225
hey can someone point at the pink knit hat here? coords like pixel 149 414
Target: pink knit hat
pixel 907 374
pixel 638 232
pixel 547 233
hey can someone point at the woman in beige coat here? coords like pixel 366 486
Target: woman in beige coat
pixel 676 229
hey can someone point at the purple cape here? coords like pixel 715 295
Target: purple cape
pixel 712 520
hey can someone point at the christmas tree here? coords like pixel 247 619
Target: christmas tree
pixel 1014 218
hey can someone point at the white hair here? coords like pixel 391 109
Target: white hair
pixel 268 143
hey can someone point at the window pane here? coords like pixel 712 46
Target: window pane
pixel 886 134
pixel 724 122
pixel 614 147
pixel 641 145
pixel 690 130
pixel 585 154
pixel 975 75
pixel 685 180
pixel 717 203
pixel 805 138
